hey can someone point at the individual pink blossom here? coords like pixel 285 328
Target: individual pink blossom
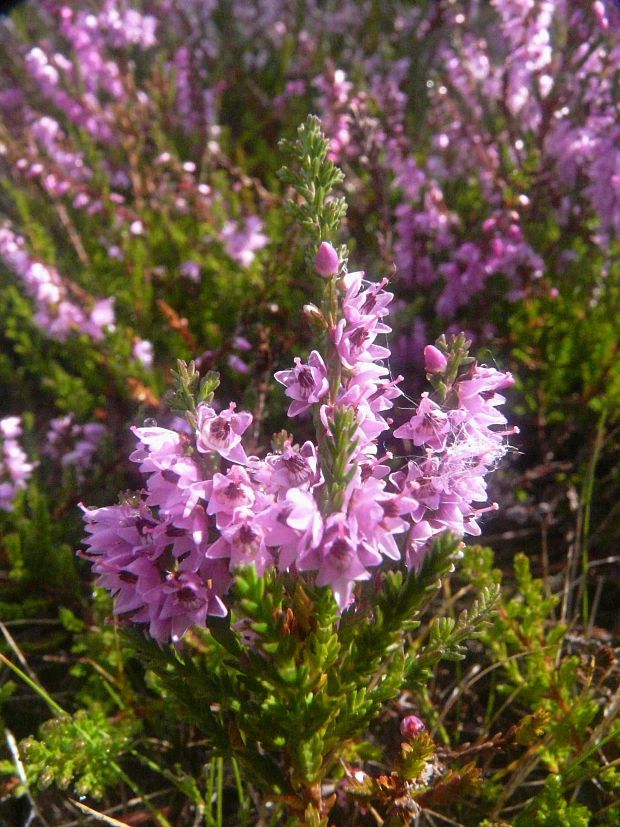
pixel 236 363
pixel 338 559
pixel 306 384
pixel 230 491
pixel 222 432
pixel 242 542
pixel 186 600
pixel 293 468
pixel 142 351
pixel 294 525
pixel 429 426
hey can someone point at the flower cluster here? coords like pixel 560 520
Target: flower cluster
pixel 56 313
pixel 86 85
pixel 15 470
pixel 461 446
pixel 241 243
pixel 74 445
pixel 333 510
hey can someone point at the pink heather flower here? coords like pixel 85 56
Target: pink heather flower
pixel 411 727
pixel 354 335
pixel 305 384
pixel 236 363
pixel 242 542
pixel 478 395
pixel 338 559
pixel 429 426
pixel 230 491
pixel 191 270
pixel 101 318
pixel 186 600
pixel 74 445
pixel 356 344
pixel 241 243
pixel 327 262
pixel 159 450
pixel 11 427
pixel 222 432
pixel 417 544
pixel 294 467
pixel 142 351
pixel 241 343
pixel 378 515
pixel 369 305
pixel 15 470
pixel 434 360
pixel 293 524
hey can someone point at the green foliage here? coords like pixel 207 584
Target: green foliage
pixel 79 752
pixel 568 344
pixel 313 177
pixel 556 703
pixel 553 810
pixel 41 564
pixel 190 390
pixel 337 448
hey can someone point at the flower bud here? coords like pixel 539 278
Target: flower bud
pixel 434 360
pixel 327 262
pixel 411 727
pixel 314 316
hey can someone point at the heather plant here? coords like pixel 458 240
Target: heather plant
pixel 143 221
pixel 276 591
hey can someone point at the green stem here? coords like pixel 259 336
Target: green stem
pixel 588 490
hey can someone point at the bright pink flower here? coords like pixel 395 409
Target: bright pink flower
pixel 294 467
pixel 293 524
pixel 429 426
pixel 305 384
pixel 243 542
pixel 186 600
pixel 338 559
pixel 230 491
pixel 222 432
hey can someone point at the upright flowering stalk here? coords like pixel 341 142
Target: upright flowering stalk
pixel 15 470
pixel 280 553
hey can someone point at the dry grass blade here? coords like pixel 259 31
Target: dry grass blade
pixel 100 817
pixel 18 652
pixel 21 772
